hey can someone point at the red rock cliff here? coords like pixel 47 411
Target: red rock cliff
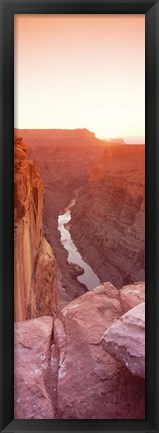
pixel 35 269
pixel 109 219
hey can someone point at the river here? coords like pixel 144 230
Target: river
pixel 89 278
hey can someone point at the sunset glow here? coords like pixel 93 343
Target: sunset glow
pixel 81 71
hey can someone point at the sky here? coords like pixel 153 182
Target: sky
pixel 81 71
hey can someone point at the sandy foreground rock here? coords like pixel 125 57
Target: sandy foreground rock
pixel 125 340
pixel 32 341
pixel 132 295
pixel 90 383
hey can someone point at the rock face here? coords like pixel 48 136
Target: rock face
pixel 90 383
pixel 32 340
pixel 109 218
pixel 132 295
pixel 54 153
pixel 65 372
pixel 44 297
pixel 35 271
pixel 125 340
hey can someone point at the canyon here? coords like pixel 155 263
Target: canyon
pixel 64 332
pixel 108 222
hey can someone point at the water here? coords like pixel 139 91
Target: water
pixel 89 278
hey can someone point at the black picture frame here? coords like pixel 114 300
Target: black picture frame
pixel 7 10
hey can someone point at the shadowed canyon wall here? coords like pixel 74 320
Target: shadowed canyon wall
pixel 35 269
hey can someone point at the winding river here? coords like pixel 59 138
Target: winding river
pixel 89 278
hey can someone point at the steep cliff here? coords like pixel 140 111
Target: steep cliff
pixel 35 269
pixel 55 153
pixel 108 221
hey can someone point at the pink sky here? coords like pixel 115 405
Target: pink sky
pixel 81 71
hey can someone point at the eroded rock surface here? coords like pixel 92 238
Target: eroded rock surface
pixel 32 343
pixel 125 340
pixel 90 383
pixel 65 373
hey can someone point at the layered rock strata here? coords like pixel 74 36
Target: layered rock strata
pixel 35 269
pixel 108 221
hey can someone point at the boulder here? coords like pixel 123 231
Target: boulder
pixel 125 340
pixel 32 341
pixel 132 295
pixel 92 385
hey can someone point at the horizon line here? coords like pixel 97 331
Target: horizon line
pixel 128 137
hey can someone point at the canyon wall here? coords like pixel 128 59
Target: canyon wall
pixel 35 269
pixel 108 221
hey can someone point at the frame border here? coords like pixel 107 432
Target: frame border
pixel 7 10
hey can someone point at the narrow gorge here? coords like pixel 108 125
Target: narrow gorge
pixel 79 276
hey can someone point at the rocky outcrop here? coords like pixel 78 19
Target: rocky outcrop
pixel 125 340
pixel 32 343
pixel 132 295
pixel 35 270
pixel 90 383
pixel 69 367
